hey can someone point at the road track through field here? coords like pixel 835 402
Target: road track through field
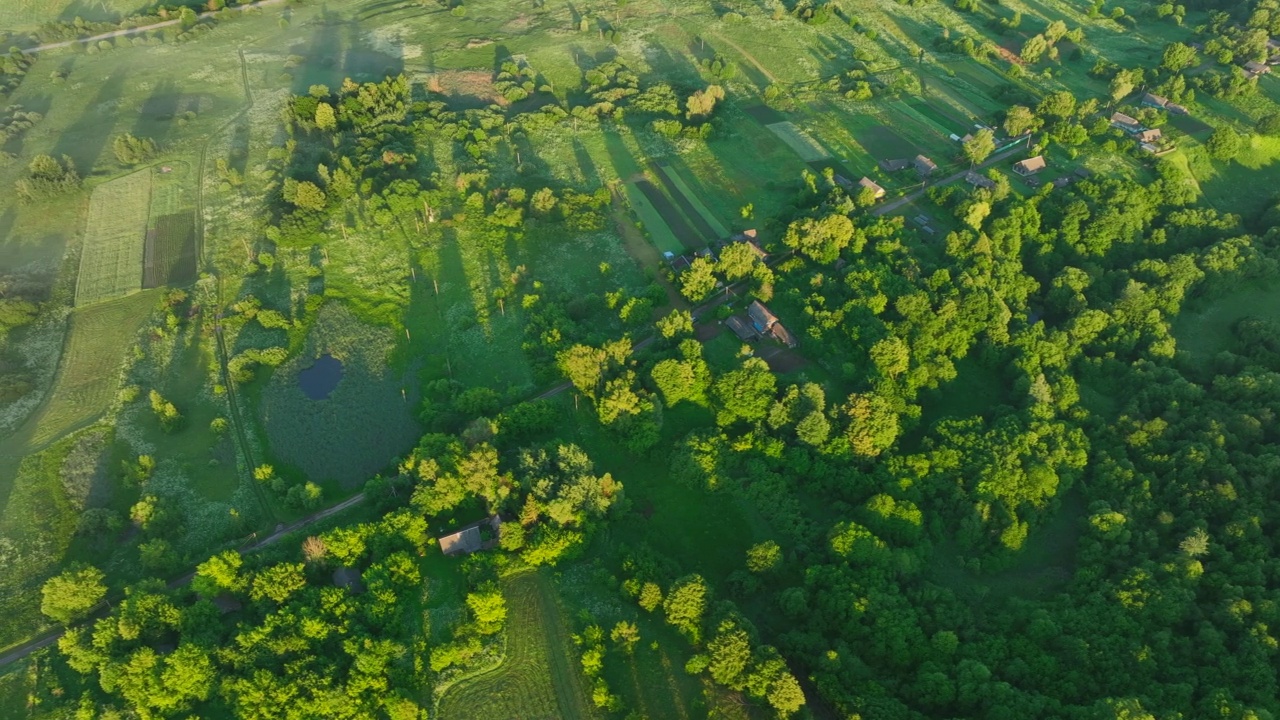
pixel 144 28
pixel 233 403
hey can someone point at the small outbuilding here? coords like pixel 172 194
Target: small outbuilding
pixel 348 578
pixel 924 166
pixel 463 542
pixel 1150 136
pixel 741 328
pixel 1256 69
pixel 783 335
pixel 894 165
pixel 1153 100
pixel 1030 166
pixel 1177 109
pixel 867 182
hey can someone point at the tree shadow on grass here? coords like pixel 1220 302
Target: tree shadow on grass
pixel 155 119
pixel 84 141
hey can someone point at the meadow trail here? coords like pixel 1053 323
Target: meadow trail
pixel 141 29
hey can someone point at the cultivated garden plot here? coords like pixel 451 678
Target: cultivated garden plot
pixel 111 263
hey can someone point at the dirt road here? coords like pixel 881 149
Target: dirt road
pixel 140 29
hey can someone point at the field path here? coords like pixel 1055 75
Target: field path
pixel 750 58
pixel 141 29
pixel 912 197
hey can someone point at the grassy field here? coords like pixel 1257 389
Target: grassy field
pixel 798 140
pixel 539 679
pixel 89 373
pixel 115 237
pixel 170 257
pixel 1206 331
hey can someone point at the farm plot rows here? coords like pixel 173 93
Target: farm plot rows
pixel 538 679
pixel 691 204
pixel 114 239
pixel 170 256
pixel 651 220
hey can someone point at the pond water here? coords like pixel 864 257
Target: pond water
pixel 319 380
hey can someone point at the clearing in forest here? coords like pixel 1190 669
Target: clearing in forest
pixel 806 147
pixel 539 679
pixel 114 239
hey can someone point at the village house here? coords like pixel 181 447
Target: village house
pixel 1152 100
pixel 1030 166
pixel 924 166
pixel 1150 136
pixel 471 539
pixel 1256 69
pixel 766 323
pixel 978 180
pixel 867 182
pixel 1125 122
pixel 894 165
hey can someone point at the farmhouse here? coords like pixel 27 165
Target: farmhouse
pixel 977 180
pixel 1125 122
pixel 741 328
pixel 1152 100
pixel 1150 136
pixel 894 165
pixel 468 539
pixel 1030 166
pixel 678 263
pixel 867 182
pixel 1256 69
pixel 925 166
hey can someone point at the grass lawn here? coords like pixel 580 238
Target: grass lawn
pixel 539 677
pixel 115 236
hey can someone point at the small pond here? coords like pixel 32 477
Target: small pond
pixel 319 380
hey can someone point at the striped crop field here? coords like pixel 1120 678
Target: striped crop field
pixel 115 237
pixel 540 678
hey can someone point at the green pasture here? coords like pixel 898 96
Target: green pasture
pixel 539 676
pixel 115 237
pixel 1244 185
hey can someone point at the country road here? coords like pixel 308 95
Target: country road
pixel 140 29
pixel 912 197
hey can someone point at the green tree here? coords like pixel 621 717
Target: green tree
pixel 70 595
pixel 1269 125
pixel 744 394
pixel 1224 144
pixel 650 596
pixel 685 605
pixel 675 323
pixel 1178 57
pixel 326 118
pixel 737 260
pixel 1034 49
pixel 489 608
pixel 729 653
pixel 1019 120
pixel 278 582
pixel 980 146
pixel 763 557
pixel 823 239
pixel 698 281
pixel 626 635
